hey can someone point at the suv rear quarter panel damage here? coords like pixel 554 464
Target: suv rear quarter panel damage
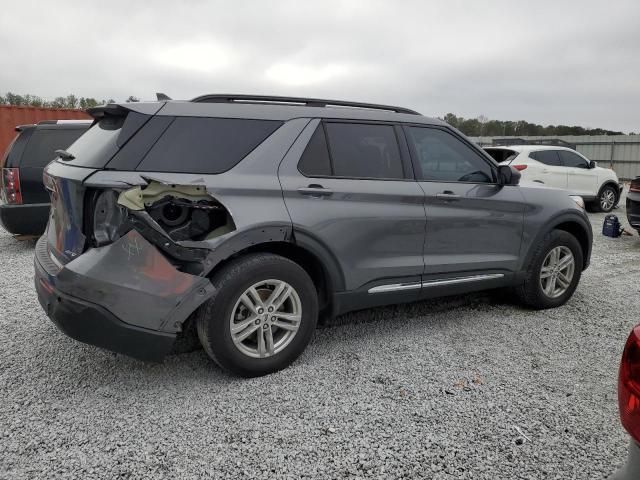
pixel 141 277
pixel 136 283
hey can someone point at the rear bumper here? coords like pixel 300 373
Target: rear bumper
pixel 633 210
pixel 92 324
pixel 27 219
pixel 631 469
pixel 125 297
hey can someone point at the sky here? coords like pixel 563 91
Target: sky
pixel 548 62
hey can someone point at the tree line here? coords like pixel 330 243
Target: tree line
pixel 70 101
pixel 473 127
pixel 483 127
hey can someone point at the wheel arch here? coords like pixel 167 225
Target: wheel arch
pixel 570 223
pixel 307 252
pixel 612 184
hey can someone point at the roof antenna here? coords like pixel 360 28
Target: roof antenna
pixel 162 96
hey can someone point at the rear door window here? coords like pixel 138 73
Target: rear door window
pixel 571 159
pixel 44 142
pixel 443 157
pixel 548 157
pixel 206 145
pixel 359 150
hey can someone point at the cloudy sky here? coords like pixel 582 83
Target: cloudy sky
pixel 551 62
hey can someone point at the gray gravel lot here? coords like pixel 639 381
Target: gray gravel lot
pixel 472 387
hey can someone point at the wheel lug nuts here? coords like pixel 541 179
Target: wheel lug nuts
pixel 271 309
pixel 273 319
pixel 260 310
pixel 265 326
pixel 257 322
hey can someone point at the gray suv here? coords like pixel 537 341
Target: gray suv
pixel 248 218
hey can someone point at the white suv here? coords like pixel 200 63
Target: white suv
pixel 563 168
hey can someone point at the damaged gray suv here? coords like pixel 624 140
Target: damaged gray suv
pixel 248 218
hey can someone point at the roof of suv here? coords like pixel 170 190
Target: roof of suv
pixel 280 109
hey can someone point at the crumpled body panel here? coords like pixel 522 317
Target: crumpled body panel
pixel 136 283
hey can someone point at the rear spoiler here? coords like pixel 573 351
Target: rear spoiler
pixel 122 109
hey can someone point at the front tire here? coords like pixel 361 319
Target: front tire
pixel 261 317
pixel 553 273
pixel 607 199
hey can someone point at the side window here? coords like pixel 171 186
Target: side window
pixel 315 161
pixel 364 151
pixel 43 143
pixel 573 159
pixel 443 157
pixel 548 157
pixel 206 145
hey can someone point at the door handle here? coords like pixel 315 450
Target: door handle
pixel 447 195
pixel 315 190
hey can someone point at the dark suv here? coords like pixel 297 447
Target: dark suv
pixel 252 217
pixel 24 202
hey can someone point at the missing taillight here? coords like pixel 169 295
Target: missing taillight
pixel 108 218
pixel 10 191
pixel 629 385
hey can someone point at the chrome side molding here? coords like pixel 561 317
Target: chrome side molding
pixel 395 287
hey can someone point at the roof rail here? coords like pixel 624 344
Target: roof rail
pixel 555 142
pixel 308 102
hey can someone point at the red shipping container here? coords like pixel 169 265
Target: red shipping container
pixel 11 116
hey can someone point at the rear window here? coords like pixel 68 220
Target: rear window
pixel 501 154
pixel 206 145
pixel 98 144
pixel 44 142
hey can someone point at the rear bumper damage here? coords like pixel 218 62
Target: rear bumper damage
pixel 125 296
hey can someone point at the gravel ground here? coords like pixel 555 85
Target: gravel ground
pixel 472 387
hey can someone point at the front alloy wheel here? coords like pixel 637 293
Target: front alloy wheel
pixel 557 271
pixel 607 199
pixel 553 272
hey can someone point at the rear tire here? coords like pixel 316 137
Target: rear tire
pixel 267 299
pixel 545 268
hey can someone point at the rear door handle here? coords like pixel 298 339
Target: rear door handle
pixel 315 190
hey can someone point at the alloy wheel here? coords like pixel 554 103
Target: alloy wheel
pixel 557 271
pixel 607 199
pixel 266 318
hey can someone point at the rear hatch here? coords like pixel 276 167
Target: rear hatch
pixel 63 178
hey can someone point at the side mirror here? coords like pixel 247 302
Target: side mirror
pixel 507 175
pixel 593 164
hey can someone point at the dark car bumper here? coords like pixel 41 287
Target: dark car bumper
pixel 631 469
pixel 633 210
pixel 92 324
pixel 28 219
pixel 128 301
